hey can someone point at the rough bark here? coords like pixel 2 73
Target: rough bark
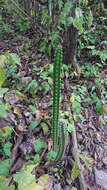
pixel 70 41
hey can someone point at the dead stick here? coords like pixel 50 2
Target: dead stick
pixel 76 156
pixel 75 151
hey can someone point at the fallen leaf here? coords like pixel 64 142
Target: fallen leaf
pixel 104 140
pixel 16 110
pixel 75 171
pixel 105 108
pixel 45 181
pixel 78 71
pixel 50 142
pixel 4 184
pixel 72 99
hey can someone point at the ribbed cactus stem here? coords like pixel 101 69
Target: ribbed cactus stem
pixel 56 96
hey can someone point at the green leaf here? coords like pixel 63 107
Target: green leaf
pixel 76 106
pixel 39 145
pixel 90 19
pixel 75 171
pixel 2 61
pixel 4 184
pixel 36 158
pixel 26 181
pixel 51 155
pixel 7 149
pixel 3 91
pixel 24 178
pixel 2 110
pixel 7 131
pixel 2 77
pixel 45 128
pixel 87 163
pixel 33 124
pixel 78 20
pixel 69 20
pixel 82 118
pixel 32 86
pixel 13 59
pixel 4 167
pixel 33 109
pixel 60 4
pixel 50 103
pixel 74 188
pixel 99 108
pixel 70 128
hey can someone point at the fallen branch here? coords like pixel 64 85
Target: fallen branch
pixel 75 151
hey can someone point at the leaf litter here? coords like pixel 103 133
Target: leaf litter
pixel 27 128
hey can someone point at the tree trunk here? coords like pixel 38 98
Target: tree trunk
pixel 70 41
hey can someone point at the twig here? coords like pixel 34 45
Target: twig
pixel 76 156
pixel 75 151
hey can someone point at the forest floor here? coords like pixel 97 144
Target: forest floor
pixel 29 102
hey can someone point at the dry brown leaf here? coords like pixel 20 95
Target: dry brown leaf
pixel 78 71
pixel 105 108
pixel 16 110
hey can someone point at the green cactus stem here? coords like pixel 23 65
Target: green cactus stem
pixel 56 96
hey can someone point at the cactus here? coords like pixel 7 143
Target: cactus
pixel 56 125
pixel 62 142
pixel 56 95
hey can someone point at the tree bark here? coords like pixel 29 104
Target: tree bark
pixel 70 41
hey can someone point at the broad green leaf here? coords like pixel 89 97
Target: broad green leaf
pixel 39 145
pixel 70 128
pixel 4 167
pixel 33 124
pixel 69 20
pixel 2 77
pixel 7 149
pixel 2 110
pixel 4 184
pixel 99 107
pixel 76 106
pixel 26 181
pixel 51 155
pixel 75 171
pixel 78 23
pixel 45 128
pixel 13 59
pixel 33 109
pixel 82 118
pixel 36 158
pixel 24 177
pixel 60 4
pixel 3 91
pixel 6 132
